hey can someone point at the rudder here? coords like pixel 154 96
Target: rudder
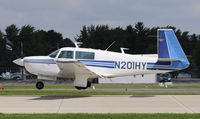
pixel 169 49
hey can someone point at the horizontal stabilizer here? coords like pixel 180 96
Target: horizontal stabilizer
pixel 168 59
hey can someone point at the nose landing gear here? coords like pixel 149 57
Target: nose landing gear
pixel 39 85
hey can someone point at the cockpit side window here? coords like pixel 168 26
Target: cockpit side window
pixel 84 55
pixel 66 54
pixel 54 54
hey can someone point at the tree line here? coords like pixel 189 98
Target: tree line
pixel 35 42
pixel 138 38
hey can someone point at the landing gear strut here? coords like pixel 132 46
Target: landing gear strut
pixel 39 85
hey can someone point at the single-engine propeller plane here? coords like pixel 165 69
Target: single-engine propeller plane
pixel 84 64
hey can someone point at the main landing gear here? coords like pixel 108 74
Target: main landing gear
pixel 39 85
pixel 83 88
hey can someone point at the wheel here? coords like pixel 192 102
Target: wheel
pixel 80 88
pixel 83 88
pixel 89 84
pixel 39 85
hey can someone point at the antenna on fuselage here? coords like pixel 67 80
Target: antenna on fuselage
pixel 122 50
pixel 110 45
pixel 77 43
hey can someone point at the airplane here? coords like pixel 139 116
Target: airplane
pixel 85 64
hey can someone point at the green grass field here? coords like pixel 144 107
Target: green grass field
pixel 104 87
pixel 92 92
pixel 99 116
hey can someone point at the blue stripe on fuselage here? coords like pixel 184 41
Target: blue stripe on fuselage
pixel 43 61
pixel 111 64
pixel 160 63
pixel 98 63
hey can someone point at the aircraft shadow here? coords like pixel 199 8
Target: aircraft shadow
pixel 141 96
pixel 57 97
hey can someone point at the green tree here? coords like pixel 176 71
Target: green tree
pixel 12 32
pixel 2 50
pixel 141 38
pixel 66 43
pixel 196 55
pixel 26 37
pixel 12 35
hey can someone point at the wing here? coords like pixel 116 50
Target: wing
pixel 71 68
pixel 76 70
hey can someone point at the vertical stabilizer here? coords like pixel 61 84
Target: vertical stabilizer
pixel 169 49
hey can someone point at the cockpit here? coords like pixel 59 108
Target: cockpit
pixel 54 54
pixel 70 54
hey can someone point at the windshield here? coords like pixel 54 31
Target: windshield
pixel 54 54
pixel 66 54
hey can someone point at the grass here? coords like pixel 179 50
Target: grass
pixel 91 92
pixel 145 87
pixel 46 87
pixel 104 87
pixel 99 116
pixel 84 93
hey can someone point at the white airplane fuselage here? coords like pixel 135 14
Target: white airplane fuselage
pixel 83 64
pixel 106 64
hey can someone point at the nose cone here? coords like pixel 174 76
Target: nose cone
pixel 19 62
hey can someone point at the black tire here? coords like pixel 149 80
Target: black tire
pixel 39 85
pixel 89 84
pixel 81 88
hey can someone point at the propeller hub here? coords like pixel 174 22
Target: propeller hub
pixel 19 62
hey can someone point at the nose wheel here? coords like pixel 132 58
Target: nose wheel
pixel 39 85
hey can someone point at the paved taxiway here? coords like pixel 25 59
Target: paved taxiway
pixel 101 104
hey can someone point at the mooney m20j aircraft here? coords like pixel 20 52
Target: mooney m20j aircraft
pixel 83 64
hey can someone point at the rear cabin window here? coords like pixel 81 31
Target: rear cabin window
pixel 54 54
pixel 66 54
pixel 84 55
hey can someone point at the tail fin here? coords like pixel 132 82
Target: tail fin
pixel 169 49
